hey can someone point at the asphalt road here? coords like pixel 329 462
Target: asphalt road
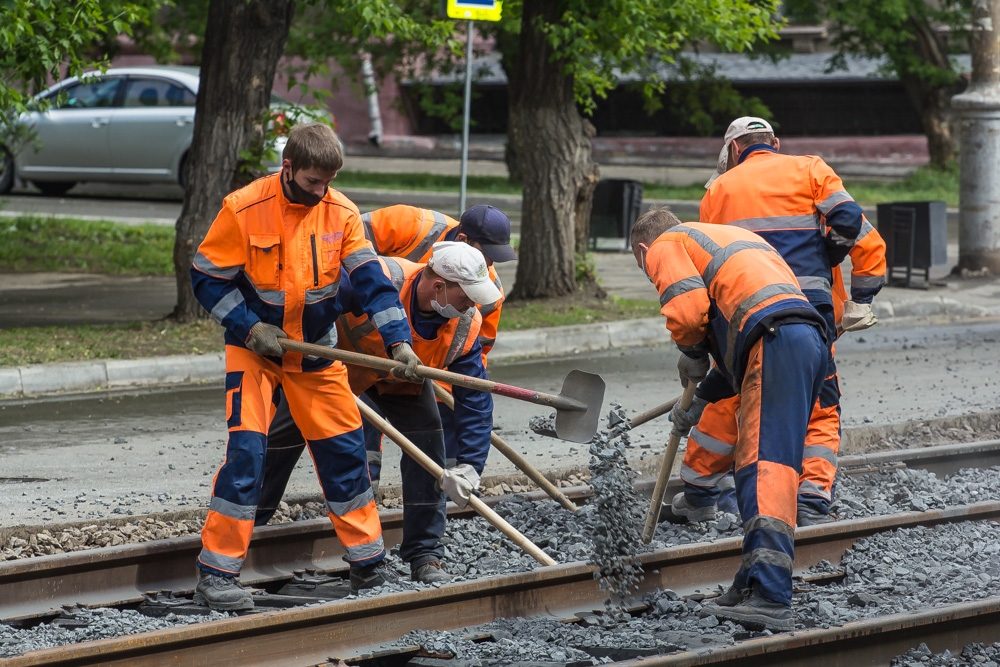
pixel 112 454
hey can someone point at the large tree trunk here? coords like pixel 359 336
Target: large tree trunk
pixel 243 42
pixel 552 145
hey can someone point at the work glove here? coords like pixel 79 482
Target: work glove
pixel 693 370
pixel 403 352
pixel 684 419
pixel 857 316
pixel 263 340
pixel 459 483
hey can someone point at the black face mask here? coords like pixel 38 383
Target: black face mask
pixel 299 195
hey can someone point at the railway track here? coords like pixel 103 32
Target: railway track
pixel 312 635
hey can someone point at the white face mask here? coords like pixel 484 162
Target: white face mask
pixel 642 255
pixel 447 311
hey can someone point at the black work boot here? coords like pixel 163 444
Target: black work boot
pixel 221 593
pixel 809 516
pixel 679 511
pixel 372 576
pixel 430 573
pixel 732 597
pixel 754 613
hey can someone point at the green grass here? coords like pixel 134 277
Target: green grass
pixel 45 345
pixel 32 243
pixel 530 315
pixel 494 185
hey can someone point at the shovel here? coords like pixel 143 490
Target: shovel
pixel 515 457
pixel 653 515
pixel 578 405
pixel 634 422
pixel 435 471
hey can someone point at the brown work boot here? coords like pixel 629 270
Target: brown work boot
pixel 430 573
pixel 372 576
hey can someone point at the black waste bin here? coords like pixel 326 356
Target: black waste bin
pixel 916 238
pixel 616 207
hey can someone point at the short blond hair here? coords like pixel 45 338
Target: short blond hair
pixel 314 146
pixel 651 224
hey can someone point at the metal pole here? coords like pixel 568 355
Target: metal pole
pixel 979 111
pixel 465 124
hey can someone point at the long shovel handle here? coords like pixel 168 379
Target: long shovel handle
pixel 653 413
pixel 515 457
pixel 478 384
pixel 435 470
pixel 656 502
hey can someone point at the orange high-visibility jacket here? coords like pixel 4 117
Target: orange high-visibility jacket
pixel 721 288
pixel 267 259
pixel 410 232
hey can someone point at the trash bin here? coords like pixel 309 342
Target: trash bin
pixel 916 238
pixel 616 207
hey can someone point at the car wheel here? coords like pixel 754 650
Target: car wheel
pixel 54 188
pixel 6 171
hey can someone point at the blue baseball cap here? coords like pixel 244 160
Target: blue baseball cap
pixel 490 228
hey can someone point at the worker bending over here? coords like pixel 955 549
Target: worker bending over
pixel 439 298
pixel 728 295
pixel 269 268
pixel 799 206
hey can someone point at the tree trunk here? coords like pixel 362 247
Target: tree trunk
pixel 551 142
pixel 243 42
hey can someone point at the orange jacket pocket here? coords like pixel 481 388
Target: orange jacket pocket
pixel 265 260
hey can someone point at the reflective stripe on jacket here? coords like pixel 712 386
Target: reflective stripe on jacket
pixel 720 288
pixel 868 270
pixel 267 259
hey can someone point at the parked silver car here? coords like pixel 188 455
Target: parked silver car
pixel 128 125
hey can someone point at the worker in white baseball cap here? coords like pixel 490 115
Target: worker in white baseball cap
pixel 461 263
pixel 738 129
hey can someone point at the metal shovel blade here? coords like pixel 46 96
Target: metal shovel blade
pixel 577 425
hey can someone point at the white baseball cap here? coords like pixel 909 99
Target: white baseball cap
pixel 738 128
pixel 461 263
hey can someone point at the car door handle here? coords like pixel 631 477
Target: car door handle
pixel 98 123
pixel 182 121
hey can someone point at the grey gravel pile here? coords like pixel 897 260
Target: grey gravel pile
pixel 912 490
pixel 972 655
pixel 101 624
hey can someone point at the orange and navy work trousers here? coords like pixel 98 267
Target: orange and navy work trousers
pixel 322 404
pixel 710 448
pixel 784 375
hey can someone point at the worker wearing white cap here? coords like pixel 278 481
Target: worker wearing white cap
pixel 439 300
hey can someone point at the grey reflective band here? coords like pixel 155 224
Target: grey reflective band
pixel 384 317
pixel 820 452
pixel 274 297
pixel 317 295
pixel 329 339
pixel 702 239
pixel 838 197
pixel 814 282
pixel 775 222
pixel 767 557
pixel 432 237
pixel 681 287
pixel 357 258
pixel 691 477
pixel 867 282
pixel 748 304
pixel 461 336
pixel 365 551
pixel 761 522
pixel 355 503
pixel 366 224
pixel 866 229
pixel 813 489
pixel 838 239
pixel 205 265
pixel 374 457
pixel 220 562
pixel 487 342
pixel 226 305
pixel 396 276
pixel 713 445
pixel 232 510
pixel 357 333
pixel 725 254
pixel 488 309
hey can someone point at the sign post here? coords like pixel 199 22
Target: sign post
pixel 469 10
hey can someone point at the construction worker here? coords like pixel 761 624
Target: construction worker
pixel 440 300
pixel 798 205
pixel 269 268
pixel 728 295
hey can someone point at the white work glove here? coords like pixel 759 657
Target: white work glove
pixel 684 419
pixel 459 483
pixel 857 316
pixel 693 370
pixel 403 352
pixel 263 340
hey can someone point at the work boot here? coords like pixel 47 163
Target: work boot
pixel 754 613
pixel 372 576
pixel 732 597
pixel 430 573
pixel 221 593
pixel 679 511
pixel 810 516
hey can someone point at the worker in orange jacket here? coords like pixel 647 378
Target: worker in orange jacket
pixel 798 205
pixel 728 295
pixel 269 268
pixel 440 301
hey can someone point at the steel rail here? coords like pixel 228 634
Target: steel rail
pixel 37 586
pixel 307 636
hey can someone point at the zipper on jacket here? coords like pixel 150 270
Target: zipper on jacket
pixel 312 239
